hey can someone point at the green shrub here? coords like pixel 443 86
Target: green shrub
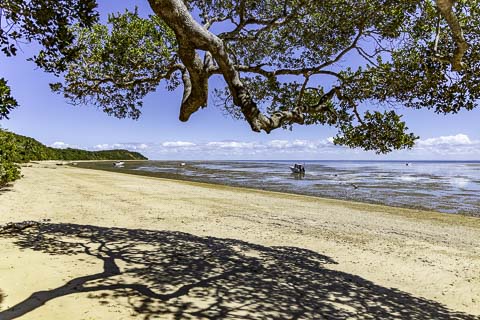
pixel 9 170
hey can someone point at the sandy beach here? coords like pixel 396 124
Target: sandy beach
pixel 118 246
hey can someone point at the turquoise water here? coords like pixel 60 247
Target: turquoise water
pixel 452 187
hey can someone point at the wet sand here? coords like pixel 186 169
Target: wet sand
pixel 448 187
pixel 117 246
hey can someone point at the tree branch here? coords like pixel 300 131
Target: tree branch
pixel 446 10
pixel 195 83
pixel 192 36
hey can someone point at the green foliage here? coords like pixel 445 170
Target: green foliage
pixel 77 154
pixel 7 102
pixel 120 64
pixel 46 22
pixel 9 171
pixel 368 136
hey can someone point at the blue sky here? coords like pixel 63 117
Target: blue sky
pixel 209 134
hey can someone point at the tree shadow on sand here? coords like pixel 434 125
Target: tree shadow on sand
pixel 5 188
pixel 188 277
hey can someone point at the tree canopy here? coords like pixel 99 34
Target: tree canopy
pixel 342 63
pixel 9 171
pixel 46 22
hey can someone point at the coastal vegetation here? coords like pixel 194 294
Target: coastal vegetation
pixel 350 66
pixel 9 170
pixel 15 149
pixel 7 102
pixel 29 149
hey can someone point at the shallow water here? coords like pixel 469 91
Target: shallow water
pixel 452 187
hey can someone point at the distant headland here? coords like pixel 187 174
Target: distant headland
pixel 29 149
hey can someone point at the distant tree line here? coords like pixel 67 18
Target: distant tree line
pixel 15 149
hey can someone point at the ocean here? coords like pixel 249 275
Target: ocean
pixel 445 186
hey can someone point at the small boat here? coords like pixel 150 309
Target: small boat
pixel 298 168
pixel 119 164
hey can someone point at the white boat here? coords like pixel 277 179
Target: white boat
pixel 298 168
pixel 119 164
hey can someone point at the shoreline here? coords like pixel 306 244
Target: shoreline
pixel 424 254
pixel 179 177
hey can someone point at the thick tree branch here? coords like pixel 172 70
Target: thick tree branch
pixel 195 83
pixel 192 36
pixel 446 10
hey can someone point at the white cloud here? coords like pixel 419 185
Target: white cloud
pixel 459 139
pixel 178 144
pixel 140 146
pixel 103 146
pixel 133 146
pixel 232 145
pixel 61 145
pixel 278 144
pixel 458 146
pixel 301 145
pixel 234 149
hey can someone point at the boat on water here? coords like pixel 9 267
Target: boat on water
pixel 119 164
pixel 298 168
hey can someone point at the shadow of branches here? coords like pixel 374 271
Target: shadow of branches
pixel 190 277
pixel 5 188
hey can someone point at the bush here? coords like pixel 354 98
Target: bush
pixel 9 171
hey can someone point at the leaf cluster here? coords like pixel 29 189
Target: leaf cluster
pixel 120 63
pixel 46 22
pixel 7 102
pixel 9 170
